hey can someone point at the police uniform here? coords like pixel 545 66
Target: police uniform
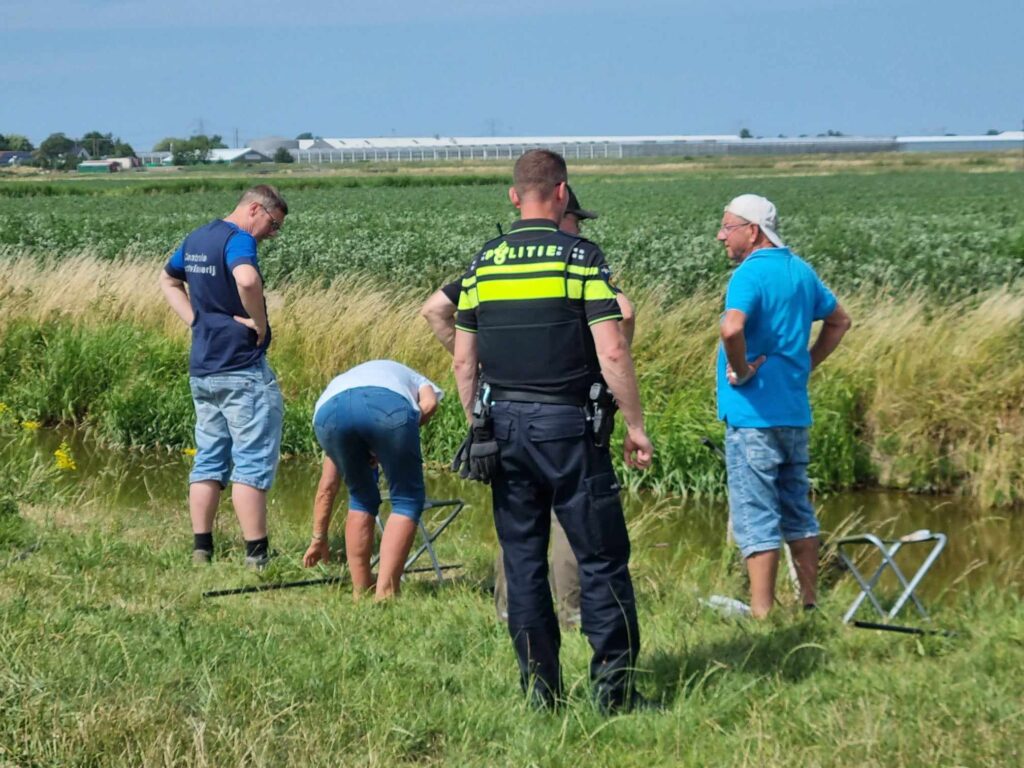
pixel 530 297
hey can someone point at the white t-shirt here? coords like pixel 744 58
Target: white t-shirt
pixel 380 373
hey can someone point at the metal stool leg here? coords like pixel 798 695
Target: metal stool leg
pixel 887 551
pixel 866 585
pixel 429 537
pixel 940 544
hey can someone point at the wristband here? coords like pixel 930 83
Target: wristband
pixel 319 536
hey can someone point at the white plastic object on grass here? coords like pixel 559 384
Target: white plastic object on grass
pixel 728 606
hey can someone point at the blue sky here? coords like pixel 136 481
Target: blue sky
pixel 145 70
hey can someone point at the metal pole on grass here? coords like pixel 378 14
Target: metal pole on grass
pixel 304 583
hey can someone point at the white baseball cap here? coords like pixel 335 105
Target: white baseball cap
pixel 757 210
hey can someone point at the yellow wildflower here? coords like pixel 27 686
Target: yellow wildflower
pixel 4 408
pixel 30 425
pixel 189 451
pixel 64 460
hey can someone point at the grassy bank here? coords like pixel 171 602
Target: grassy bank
pixel 909 400
pixel 109 656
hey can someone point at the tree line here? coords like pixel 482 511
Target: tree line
pixel 61 152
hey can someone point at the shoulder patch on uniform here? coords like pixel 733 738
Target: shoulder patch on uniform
pixel 583 249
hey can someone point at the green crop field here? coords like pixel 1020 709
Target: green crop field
pixel 950 232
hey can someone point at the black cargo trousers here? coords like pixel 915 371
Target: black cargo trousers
pixel 549 461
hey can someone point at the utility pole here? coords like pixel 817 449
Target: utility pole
pixel 236 138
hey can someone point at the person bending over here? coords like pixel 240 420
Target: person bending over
pixel 369 416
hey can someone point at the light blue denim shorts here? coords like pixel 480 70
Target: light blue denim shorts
pixel 769 494
pixel 238 426
pixel 364 421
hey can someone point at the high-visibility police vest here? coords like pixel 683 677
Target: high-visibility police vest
pixel 530 297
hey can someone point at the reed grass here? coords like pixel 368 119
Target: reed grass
pixel 922 395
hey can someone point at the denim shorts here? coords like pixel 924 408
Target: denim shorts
pixel 238 426
pixel 769 494
pixel 358 422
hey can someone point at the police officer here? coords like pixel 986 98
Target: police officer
pixel 537 315
pixel 439 312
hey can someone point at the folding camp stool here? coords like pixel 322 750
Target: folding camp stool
pixel 428 535
pixel 888 548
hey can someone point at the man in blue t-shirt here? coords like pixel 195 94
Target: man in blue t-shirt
pixel 214 284
pixel 763 367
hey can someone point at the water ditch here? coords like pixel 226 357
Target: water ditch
pixel 666 532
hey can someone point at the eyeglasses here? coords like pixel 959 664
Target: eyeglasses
pixel 274 223
pixel 727 228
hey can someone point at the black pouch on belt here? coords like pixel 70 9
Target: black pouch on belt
pixel 477 457
pixel 602 409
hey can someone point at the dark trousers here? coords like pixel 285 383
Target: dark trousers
pixel 549 461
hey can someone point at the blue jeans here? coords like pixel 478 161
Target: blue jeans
pixel 769 494
pixel 364 420
pixel 238 424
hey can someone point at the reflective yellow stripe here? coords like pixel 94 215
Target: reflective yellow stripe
pixel 585 271
pixel 512 269
pixel 531 288
pixel 469 299
pixel 596 290
pixel 592 290
pixel 464 328
pixel 469 282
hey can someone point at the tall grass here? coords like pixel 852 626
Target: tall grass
pixel 109 656
pixel 921 395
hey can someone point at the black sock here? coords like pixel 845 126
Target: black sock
pixel 203 541
pixel 810 607
pixel 256 548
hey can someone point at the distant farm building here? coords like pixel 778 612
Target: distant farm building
pixel 126 163
pixel 225 155
pixel 405 149
pixel 238 155
pixel 99 166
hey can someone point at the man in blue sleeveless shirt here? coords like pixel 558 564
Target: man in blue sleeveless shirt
pixel 764 363
pixel 213 283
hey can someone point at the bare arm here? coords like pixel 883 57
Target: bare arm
pixel 428 403
pixel 439 313
pixel 832 331
pixel 738 371
pixel 628 321
pixel 734 341
pixel 250 291
pixel 323 506
pixel 465 365
pixel 176 295
pixel 617 369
